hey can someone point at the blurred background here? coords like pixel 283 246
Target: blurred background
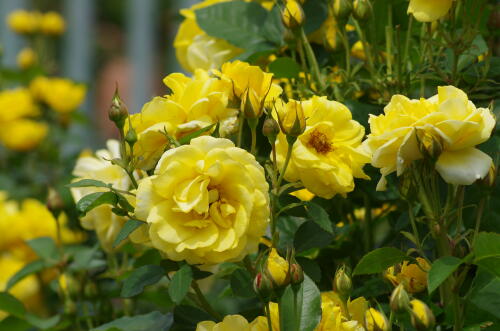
pixel 107 42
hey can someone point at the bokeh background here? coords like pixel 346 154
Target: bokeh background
pixel 107 42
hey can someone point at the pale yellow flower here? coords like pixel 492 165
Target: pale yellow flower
pixel 102 220
pixel 232 323
pixel 23 134
pixel 429 11
pixel 52 23
pixel 327 156
pixel 277 267
pixel 24 22
pixel 194 103
pixel 412 275
pixel 206 203
pixel 26 58
pixel 452 124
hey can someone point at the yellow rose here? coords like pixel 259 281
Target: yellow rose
pixel 429 11
pixel 449 118
pixel 26 58
pixel 412 275
pixel 206 203
pixel 232 323
pixel 422 317
pixel 358 50
pixel 23 134
pixel 24 22
pixel 277 267
pixel 38 87
pixel 304 195
pixel 52 23
pixel 63 95
pixel 194 103
pixel 19 103
pixel 376 321
pixel 245 78
pixel 327 156
pixel 197 50
pixel 102 220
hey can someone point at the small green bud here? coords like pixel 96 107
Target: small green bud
pixel 296 273
pixel 342 282
pixel 400 301
pixel 363 10
pixel 118 111
pixel 342 9
pixel 263 286
pixel 131 137
pixel 270 129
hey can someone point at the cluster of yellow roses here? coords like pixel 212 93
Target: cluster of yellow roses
pixel 20 222
pixel 32 22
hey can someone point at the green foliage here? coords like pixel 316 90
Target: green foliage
pixel 180 283
pixel 139 278
pixel 152 321
pixel 378 260
pixel 440 270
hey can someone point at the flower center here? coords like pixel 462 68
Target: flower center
pixel 319 141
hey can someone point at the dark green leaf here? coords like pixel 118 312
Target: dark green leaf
pixel 28 269
pixel 285 67
pixel 180 284
pixel 12 323
pixel 140 278
pixel 93 200
pixel 316 12
pixel 440 270
pixel 187 138
pixel 310 267
pixel 89 183
pixel 487 252
pixel 242 283
pixel 310 235
pixel 308 314
pixel 10 305
pixel 45 248
pixel 152 321
pixel 379 260
pixel 123 202
pixel 130 226
pixel 188 316
pixel 200 274
pixel 273 28
pixel 487 297
pixel 318 215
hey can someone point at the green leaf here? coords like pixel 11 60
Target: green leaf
pixel 316 9
pixel 487 252
pixel 284 67
pixel 123 202
pixel 45 248
pixel 242 283
pixel 10 305
pixel 318 215
pixel 179 286
pixel 187 138
pixel 12 323
pixel 310 235
pixel 42 323
pixel 487 297
pixel 152 321
pixel 130 226
pixel 89 183
pixel 242 24
pixel 379 260
pixel 440 270
pixel 140 278
pixel 28 269
pixel 310 267
pixel 93 200
pixel 186 317
pixel 308 305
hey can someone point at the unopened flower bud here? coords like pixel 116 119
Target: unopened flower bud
pixel 277 268
pixel 54 200
pixel 376 321
pixel 489 181
pixel 400 301
pixel 292 120
pixel 422 317
pixel 118 111
pixel 293 15
pixel 342 10
pixel 263 286
pixel 270 129
pixel 430 146
pixel 296 273
pixel 342 282
pixel 131 137
pixel 363 10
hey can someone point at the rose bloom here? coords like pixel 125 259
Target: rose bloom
pixel 232 322
pixel 206 203
pixel 52 23
pixel 26 58
pixel 195 103
pixel 412 275
pixel 327 156
pixel 101 219
pixel 24 22
pixel 429 11
pixel 63 95
pixel 449 119
pixel 23 134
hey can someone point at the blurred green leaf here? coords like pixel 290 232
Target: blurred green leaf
pixel 487 252
pixel 93 200
pixel 140 278
pixel 10 305
pixel 152 321
pixel 89 183
pixel 28 269
pixel 187 138
pixel 180 283
pixel 378 260
pixel 130 226
pixel 285 67
pixel 440 270
pixel 45 248
pixel 242 283
pixel 310 235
